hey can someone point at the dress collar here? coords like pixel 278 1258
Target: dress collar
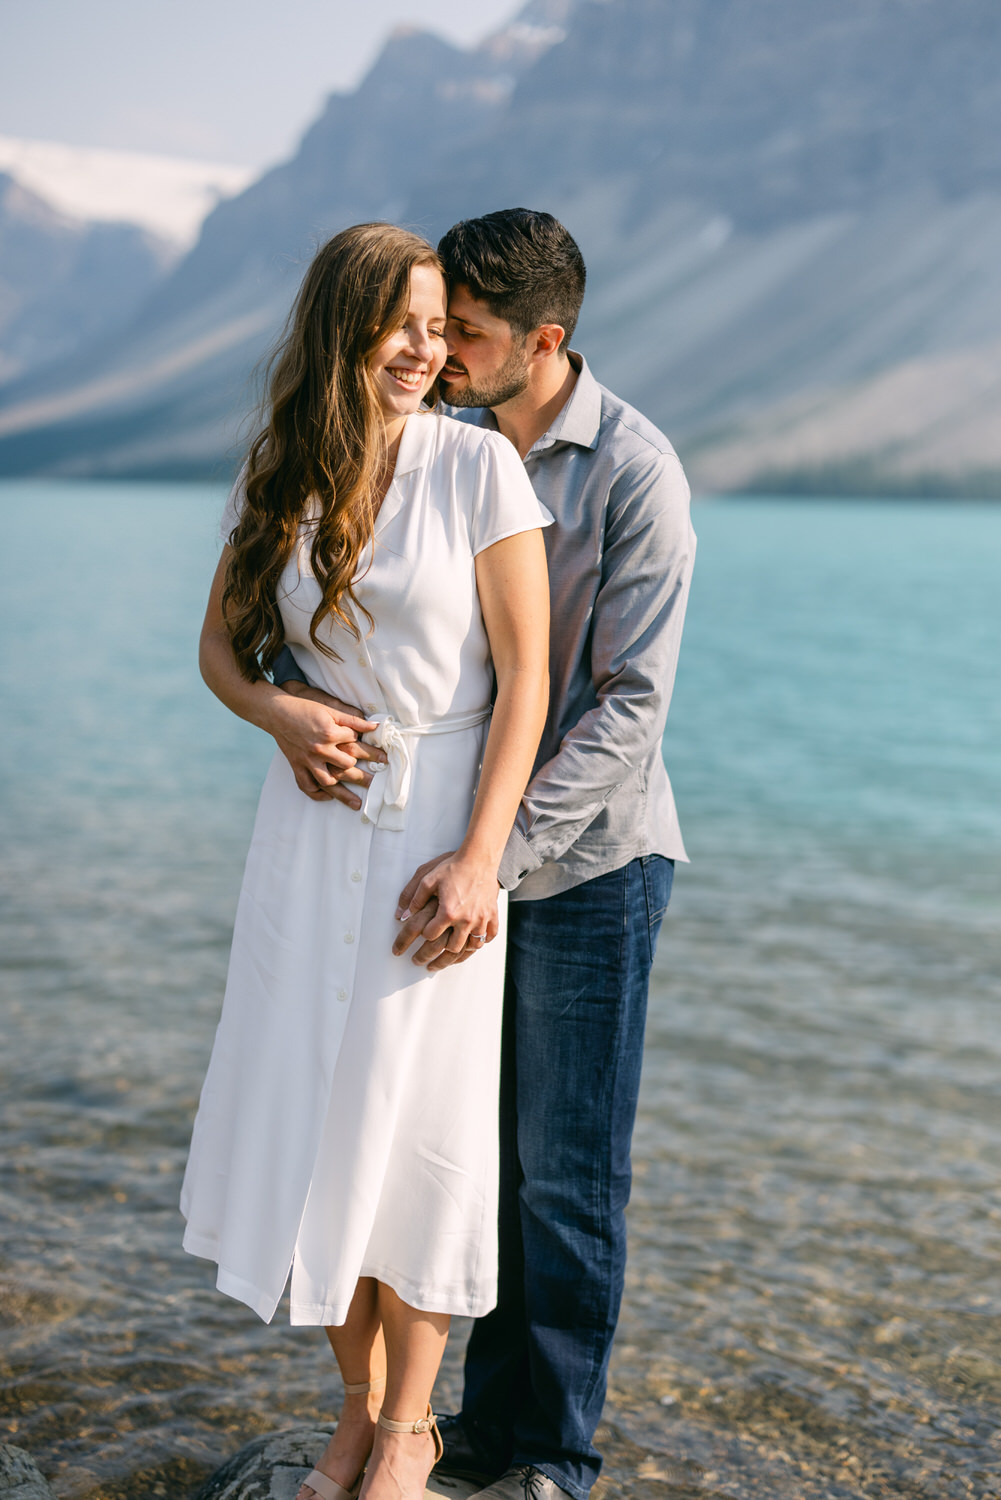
pixel 415 451
pixel 416 442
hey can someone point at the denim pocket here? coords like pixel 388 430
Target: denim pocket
pixel 658 879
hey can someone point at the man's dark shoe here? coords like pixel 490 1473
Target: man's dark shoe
pixel 522 1483
pixel 464 1456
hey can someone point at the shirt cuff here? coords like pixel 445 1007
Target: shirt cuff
pixel 517 861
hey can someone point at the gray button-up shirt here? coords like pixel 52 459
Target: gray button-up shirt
pixel 620 564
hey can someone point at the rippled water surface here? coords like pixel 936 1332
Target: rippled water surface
pixel 814 1292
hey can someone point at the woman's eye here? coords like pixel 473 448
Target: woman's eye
pixel 437 333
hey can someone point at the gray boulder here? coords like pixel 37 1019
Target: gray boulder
pixel 20 1477
pixel 273 1467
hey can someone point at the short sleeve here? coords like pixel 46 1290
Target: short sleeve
pixel 233 508
pixel 505 501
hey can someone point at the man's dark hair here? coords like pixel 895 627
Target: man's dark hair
pixel 523 264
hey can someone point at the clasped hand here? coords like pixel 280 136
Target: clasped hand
pixel 450 902
pixel 320 738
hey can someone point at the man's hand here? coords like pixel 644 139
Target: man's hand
pixel 438 890
pixel 319 737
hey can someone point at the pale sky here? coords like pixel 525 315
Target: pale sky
pixel 219 80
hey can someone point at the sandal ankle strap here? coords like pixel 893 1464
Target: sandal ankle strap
pixel 329 1489
pixel 368 1385
pixel 423 1424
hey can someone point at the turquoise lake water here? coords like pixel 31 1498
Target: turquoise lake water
pixel 815 1283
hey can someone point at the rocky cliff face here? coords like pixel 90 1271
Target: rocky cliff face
pixel 361 158
pixel 791 216
pixel 63 281
pixel 767 109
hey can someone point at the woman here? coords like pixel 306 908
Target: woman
pixel 347 1125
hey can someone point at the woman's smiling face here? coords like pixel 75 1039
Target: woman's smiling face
pixel 405 365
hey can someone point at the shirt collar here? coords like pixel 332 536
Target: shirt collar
pixel 579 419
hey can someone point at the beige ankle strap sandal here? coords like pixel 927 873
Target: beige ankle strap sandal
pixel 329 1489
pixel 322 1484
pixel 425 1424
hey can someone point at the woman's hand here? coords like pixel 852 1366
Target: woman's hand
pixel 321 745
pixel 453 905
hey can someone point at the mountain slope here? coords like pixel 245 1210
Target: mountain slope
pixel 791 216
pixel 62 280
pixel 768 109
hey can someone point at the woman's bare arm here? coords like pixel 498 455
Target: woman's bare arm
pixel 320 743
pixel 514 596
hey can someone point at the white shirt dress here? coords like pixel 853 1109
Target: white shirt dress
pixel 348 1122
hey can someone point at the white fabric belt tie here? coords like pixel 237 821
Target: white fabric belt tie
pixel 387 797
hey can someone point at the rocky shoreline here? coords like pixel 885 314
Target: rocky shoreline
pixel 274 1466
pixel 269 1468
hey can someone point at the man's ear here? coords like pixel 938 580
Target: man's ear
pixel 544 341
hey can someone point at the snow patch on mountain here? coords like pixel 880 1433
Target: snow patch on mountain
pixel 167 195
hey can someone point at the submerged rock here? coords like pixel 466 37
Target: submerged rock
pixel 272 1468
pixel 20 1476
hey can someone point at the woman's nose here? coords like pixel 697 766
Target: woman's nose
pixel 420 343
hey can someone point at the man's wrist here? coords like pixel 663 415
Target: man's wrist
pixel 518 860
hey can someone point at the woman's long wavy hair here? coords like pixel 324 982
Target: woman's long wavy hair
pixel 323 437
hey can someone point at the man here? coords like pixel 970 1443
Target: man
pixel 588 866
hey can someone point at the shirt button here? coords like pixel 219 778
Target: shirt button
pixel 349 937
pixel 365 818
pixel 371 708
pixel 362 661
pixel 356 876
pixel 342 994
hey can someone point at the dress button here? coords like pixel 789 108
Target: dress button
pixel 349 937
pixel 356 876
pixel 342 994
pixel 365 818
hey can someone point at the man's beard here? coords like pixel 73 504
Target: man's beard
pixel 509 381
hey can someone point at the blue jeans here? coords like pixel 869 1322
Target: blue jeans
pixel 578 967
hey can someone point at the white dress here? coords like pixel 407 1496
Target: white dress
pixel 348 1121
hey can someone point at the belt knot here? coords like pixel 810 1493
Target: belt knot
pixel 389 793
